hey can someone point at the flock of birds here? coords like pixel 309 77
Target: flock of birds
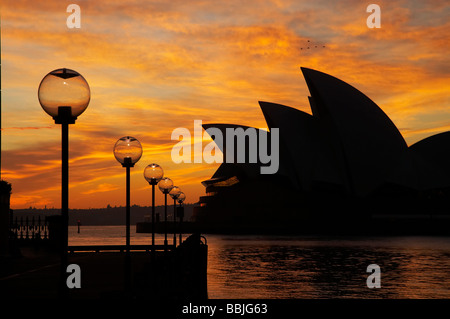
pixel 311 46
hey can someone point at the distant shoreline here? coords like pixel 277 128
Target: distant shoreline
pixel 380 224
pixel 373 227
pixel 103 216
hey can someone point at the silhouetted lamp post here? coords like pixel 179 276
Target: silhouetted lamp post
pixel 165 185
pixel 174 193
pixel 153 173
pixel 127 152
pixel 180 200
pixel 64 95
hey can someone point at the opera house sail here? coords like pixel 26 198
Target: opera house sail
pixel 343 163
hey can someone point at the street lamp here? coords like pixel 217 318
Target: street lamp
pixel 180 200
pixel 153 173
pixel 127 152
pixel 165 185
pixel 174 193
pixel 64 95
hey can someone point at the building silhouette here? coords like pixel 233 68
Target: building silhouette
pixel 343 164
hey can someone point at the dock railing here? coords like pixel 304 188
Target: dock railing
pixel 28 229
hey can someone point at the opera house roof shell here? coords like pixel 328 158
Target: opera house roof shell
pixel 348 141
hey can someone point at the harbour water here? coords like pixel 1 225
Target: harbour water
pixel 309 267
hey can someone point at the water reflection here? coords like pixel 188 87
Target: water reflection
pixel 309 267
pixel 255 267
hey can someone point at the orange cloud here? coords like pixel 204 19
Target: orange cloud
pixel 101 188
pixel 154 66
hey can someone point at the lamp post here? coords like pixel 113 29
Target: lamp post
pixel 127 152
pixel 174 193
pixel 180 200
pixel 165 185
pixel 153 173
pixel 64 95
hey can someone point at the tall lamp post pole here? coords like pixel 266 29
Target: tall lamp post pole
pixel 180 200
pixel 165 186
pixel 64 95
pixel 174 193
pixel 127 152
pixel 153 173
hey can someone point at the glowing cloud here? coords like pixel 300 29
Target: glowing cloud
pixel 153 66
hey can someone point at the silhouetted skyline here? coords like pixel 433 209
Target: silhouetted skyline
pixel 111 215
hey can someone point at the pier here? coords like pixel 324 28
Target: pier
pixel 158 272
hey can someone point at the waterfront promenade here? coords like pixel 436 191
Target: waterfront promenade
pixel 173 274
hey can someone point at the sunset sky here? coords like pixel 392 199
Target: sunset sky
pixel 154 66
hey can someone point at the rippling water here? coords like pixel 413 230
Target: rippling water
pixel 309 267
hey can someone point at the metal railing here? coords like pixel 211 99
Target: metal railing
pixel 120 248
pixel 32 228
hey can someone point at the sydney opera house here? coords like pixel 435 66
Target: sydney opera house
pixel 344 164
